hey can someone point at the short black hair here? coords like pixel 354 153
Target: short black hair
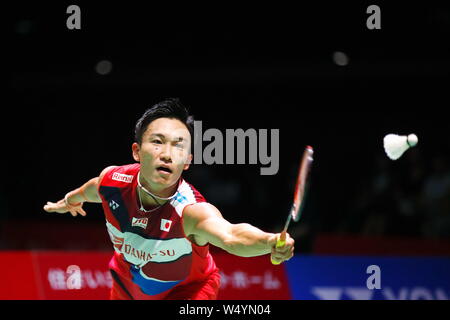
pixel 170 108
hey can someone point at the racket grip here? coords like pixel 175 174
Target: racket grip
pixel 280 243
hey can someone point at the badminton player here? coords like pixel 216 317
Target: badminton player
pixel 159 224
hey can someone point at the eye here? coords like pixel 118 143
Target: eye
pixel 156 141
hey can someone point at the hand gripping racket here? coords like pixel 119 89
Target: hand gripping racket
pixel 301 187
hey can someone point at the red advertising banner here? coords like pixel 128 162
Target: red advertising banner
pixel 19 276
pixel 74 275
pixel 42 275
pixel 251 278
pixel 84 275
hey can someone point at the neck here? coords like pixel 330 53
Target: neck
pixel 156 197
pixel 147 201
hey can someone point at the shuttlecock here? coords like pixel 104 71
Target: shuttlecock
pixel 395 145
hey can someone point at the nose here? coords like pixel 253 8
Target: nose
pixel 166 153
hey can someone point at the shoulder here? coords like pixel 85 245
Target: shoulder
pixel 186 196
pixel 105 171
pixel 201 211
pixel 125 172
pixel 191 194
pixel 196 213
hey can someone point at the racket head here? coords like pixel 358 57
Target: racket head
pixel 301 185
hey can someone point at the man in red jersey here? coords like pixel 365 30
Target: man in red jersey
pixel 159 224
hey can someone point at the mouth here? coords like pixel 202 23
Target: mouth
pixel 164 170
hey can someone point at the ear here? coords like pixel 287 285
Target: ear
pixel 188 162
pixel 135 147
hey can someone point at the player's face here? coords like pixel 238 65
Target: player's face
pixel 164 152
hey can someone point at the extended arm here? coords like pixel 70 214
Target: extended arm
pixel 205 224
pixel 73 201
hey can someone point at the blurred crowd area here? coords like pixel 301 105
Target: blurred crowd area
pixel 408 197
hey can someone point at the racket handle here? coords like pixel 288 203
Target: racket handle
pixel 280 243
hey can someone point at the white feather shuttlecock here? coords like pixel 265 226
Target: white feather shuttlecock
pixel 395 145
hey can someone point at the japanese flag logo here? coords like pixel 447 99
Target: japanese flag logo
pixel 166 224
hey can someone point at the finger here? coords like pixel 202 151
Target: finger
pixel 276 260
pixel 281 259
pixel 82 212
pixel 284 259
pixel 283 250
pixel 289 257
pixel 73 213
pixel 289 243
pixel 284 254
pixel 49 207
pixel 278 256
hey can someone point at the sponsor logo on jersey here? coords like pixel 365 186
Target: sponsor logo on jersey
pixel 165 224
pixel 122 177
pixel 113 205
pixel 143 255
pixel 117 241
pixel 139 222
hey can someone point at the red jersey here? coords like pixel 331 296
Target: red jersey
pixel 153 258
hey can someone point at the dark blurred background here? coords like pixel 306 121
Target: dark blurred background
pixel 313 71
